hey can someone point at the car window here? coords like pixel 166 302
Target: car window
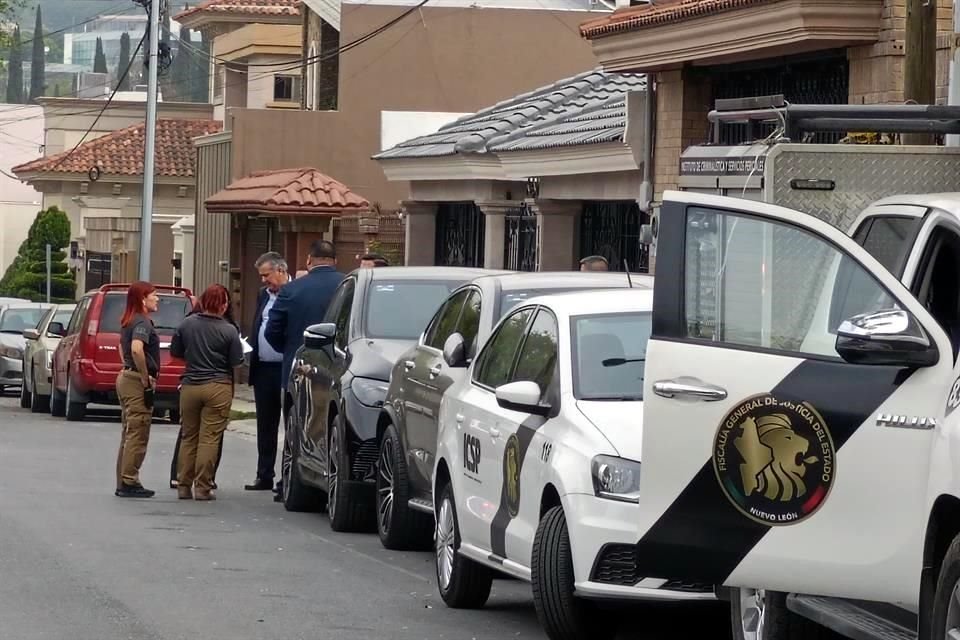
pixel 768 284
pixel 469 324
pixel 538 356
pixel 495 362
pixel 15 320
pixel 77 317
pixel 170 313
pixel 401 309
pixel 888 239
pixel 510 299
pixel 445 322
pixel 342 318
pixel 609 355
pixel 62 316
pixel 336 302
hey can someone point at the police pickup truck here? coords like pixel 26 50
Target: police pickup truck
pixel 801 446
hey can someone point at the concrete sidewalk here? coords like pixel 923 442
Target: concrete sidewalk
pixel 243 402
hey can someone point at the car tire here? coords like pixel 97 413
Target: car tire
pixel 349 512
pixel 76 411
pixel 562 615
pixel 946 608
pixel 296 495
pixel 38 403
pixel 25 396
pixel 749 606
pixel 463 583
pixel 400 528
pixel 58 402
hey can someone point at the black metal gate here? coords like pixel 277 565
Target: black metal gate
pixel 612 230
pixel 459 235
pixel 520 239
pixel 822 78
pixel 99 270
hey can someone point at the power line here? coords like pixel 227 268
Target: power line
pixel 79 24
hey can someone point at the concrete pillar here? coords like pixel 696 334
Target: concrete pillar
pixel 557 223
pixel 494 229
pixel 420 233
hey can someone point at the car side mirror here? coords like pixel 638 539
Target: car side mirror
pixel 455 351
pixel 31 334
pixel 318 336
pixel 523 396
pixel 57 329
pixel 889 337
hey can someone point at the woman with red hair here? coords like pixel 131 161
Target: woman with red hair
pixel 210 345
pixel 140 349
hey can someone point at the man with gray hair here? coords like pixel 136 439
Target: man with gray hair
pixel 266 367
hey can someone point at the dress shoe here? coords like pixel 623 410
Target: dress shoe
pixel 259 485
pixel 174 484
pixel 184 493
pixel 204 496
pixel 133 491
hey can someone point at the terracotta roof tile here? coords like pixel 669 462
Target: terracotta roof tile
pixel 244 7
pixel 663 12
pixel 288 191
pixel 120 153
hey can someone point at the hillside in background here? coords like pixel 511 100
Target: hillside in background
pixel 59 14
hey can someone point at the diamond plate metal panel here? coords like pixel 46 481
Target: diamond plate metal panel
pixel 862 176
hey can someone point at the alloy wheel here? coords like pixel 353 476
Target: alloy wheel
pixel 286 464
pixel 333 464
pixel 385 485
pixel 445 543
pixel 752 605
pixel 952 631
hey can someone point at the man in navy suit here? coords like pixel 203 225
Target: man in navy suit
pixel 301 303
pixel 266 365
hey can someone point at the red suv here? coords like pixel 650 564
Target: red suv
pixel 87 360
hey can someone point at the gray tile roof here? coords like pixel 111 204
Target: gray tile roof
pixel 587 109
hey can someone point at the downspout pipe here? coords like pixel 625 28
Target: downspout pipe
pixel 953 95
pixel 649 131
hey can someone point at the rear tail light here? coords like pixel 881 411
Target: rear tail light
pixel 92 327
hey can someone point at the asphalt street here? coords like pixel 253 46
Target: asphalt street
pixel 77 563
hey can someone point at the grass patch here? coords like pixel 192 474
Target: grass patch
pixel 242 415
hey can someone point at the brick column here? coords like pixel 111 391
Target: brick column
pixel 683 101
pixel 420 233
pixel 556 238
pixel 494 228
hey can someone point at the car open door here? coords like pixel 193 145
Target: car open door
pixel 789 375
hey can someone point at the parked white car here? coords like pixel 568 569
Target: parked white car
pixel 538 462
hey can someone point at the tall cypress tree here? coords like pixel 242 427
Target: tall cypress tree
pixel 38 74
pixel 124 61
pixel 15 70
pixel 99 59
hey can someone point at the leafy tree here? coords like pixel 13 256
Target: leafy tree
pixel 15 70
pixel 37 64
pixel 124 61
pixel 99 59
pixel 26 277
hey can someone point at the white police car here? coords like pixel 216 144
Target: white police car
pixel 538 462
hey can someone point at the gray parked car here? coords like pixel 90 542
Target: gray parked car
pixel 407 429
pixel 14 319
pixel 38 357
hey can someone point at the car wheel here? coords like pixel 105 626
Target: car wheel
pixel 946 601
pixel 763 615
pixel 58 402
pixel 562 615
pixel 348 510
pixel 39 403
pixel 25 399
pixel 463 583
pixel 399 526
pixel 296 495
pixel 76 411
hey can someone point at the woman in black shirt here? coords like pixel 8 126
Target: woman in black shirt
pixel 140 348
pixel 210 344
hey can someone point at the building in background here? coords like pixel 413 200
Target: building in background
pixel 21 138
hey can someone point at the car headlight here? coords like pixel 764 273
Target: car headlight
pixel 616 478
pixel 369 392
pixel 11 352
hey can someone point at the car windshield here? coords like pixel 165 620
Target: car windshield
pixel 510 299
pixel 15 320
pixel 609 355
pixel 170 313
pixel 401 309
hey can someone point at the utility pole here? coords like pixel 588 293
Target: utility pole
pixel 953 98
pixel 920 60
pixel 150 136
pixel 49 268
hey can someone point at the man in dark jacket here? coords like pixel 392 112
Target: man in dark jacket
pixel 266 365
pixel 300 304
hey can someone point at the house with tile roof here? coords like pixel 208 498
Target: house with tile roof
pixel 536 182
pixel 429 66
pixel 699 51
pixel 100 186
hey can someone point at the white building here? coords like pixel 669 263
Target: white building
pixel 21 139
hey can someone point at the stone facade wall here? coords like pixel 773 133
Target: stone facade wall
pixel 683 100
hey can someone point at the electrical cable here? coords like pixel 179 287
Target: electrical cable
pixel 80 24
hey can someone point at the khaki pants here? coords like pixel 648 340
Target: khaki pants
pixel 205 413
pixel 136 420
